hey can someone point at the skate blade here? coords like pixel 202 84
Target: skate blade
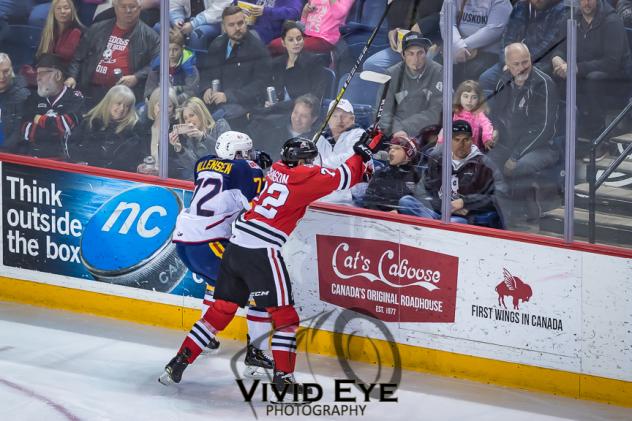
pixel 209 351
pixel 165 379
pixel 255 372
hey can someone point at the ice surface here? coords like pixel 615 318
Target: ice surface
pixel 56 365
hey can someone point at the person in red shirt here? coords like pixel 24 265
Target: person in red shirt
pixel 114 51
pixel 258 235
pixel 62 31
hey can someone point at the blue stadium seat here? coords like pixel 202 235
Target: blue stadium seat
pixel 360 91
pixel 21 44
pixel 330 83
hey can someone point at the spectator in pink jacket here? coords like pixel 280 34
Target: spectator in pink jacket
pixel 469 107
pixel 322 20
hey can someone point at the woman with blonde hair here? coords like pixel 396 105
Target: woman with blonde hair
pixel 61 32
pixel 148 127
pixel 193 138
pixel 107 136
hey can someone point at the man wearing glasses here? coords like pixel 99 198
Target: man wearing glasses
pixel 114 51
pixel 52 113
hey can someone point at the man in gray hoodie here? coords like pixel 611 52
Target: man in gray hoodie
pixel 414 96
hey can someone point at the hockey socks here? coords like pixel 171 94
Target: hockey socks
pixel 285 321
pixel 259 327
pixel 203 331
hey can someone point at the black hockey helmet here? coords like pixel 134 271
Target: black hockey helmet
pixel 298 148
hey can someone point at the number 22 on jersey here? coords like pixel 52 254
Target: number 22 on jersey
pixel 272 196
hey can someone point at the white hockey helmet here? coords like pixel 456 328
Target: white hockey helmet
pixel 231 142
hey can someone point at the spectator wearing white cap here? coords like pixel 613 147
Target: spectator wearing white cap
pixel 414 96
pixel 335 145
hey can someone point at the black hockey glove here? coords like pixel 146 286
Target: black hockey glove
pixel 363 150
pixel 262 159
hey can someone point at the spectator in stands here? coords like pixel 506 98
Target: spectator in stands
pixel 202 28
pixel 475 180
pixel 335 145
pixel 524 112
pixel 541 26
pixel 240 62
pixel 322 20
pixel 149 12
pixel 183 73
pixel 413 99
pixel 421 16
pixel 148 127
pixel 62 31
pixel 604 64
pixel 194 137
pixel 269 134
pixel 395 181
pixel 468 105
pixel 476 34
pixel 270 15
pixel 115 51
pixel 52 114
pixel 296 72
pixel 107 136
pixel 13 95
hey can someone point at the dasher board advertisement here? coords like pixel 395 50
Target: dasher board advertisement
pixel 94 228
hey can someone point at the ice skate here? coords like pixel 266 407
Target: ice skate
pixel 257 362
pixel 286 381
pixel 175 368
pixel 212 348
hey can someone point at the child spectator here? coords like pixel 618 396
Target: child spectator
pixel 193 138
pixel 468 106
pixel 107 136
pixel 183 73
pixel 322 20
pixel 395 181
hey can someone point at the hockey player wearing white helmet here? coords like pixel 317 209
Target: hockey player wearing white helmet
pixel 225 183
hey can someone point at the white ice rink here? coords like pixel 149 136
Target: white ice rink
pixel 56 365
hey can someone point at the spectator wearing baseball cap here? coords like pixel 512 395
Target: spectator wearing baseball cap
pixel 52 114
pixel 475 181
pixel 414 96
pixel 335 145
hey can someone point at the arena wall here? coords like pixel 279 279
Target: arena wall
pixel 490 306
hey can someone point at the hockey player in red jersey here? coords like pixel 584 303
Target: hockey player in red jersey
pixel 252 266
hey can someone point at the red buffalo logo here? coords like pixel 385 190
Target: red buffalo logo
pixel 512 286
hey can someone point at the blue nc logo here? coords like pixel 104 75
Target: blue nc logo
pixel 128 239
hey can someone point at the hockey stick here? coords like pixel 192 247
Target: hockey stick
pixel 383 80
pixel 352 72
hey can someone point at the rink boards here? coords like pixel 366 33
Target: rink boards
pixel 496 307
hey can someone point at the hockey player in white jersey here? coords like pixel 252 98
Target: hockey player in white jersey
pixel 225 183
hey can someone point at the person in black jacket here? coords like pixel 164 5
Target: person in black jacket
pixel 474 183
pixel 13 95
pixel 604 64
pixel 295 73
pixel 524 111
pixel 114 51
pixel 52 114
pixel 394 184
pixel 240 61
pixel 107 137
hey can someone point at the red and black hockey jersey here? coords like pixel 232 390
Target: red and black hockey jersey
pixel 285 197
